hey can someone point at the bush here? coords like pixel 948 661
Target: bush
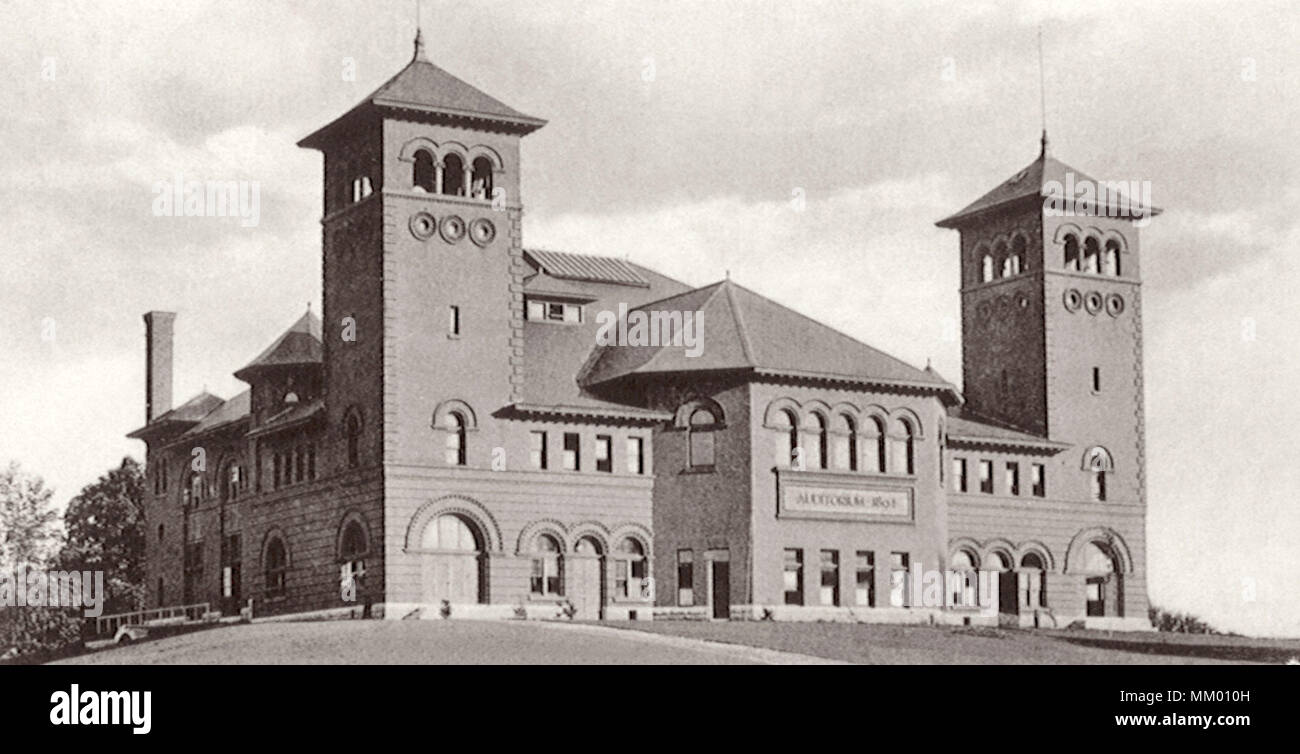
pixel 35 633
pixel 1178 623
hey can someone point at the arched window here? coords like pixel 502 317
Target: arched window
pixel 453 175
pixel 815 451
pixel 1001 261
pixel 964 587
pixel 352 427
pixel 1112 258
pixel 161 530
pixel 449 532
pixel 629 568
pixel 276 565
pixel 352 552
pixel 1091 256
pixel 700 440
pixel 1097 461
pixel 1033 586
pixel 874 432
pixel 787 438
pixel 1016 261
pixel 986 268
pixel 481 178
pixel 422 173
pixel 902 448
pixel 846 443
pixel 546 580
pixel 1072 252
pixel 232 481
pixel 454 444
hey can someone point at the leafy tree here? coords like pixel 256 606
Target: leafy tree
pixel 106 531
pixel 28 527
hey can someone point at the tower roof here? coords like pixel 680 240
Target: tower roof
pixel 300 345
pixel 424 88
pixel 1048 177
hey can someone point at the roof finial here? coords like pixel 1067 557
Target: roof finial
pixel 419 34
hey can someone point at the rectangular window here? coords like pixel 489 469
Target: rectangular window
pixel 275 460
pixel 685 578
pixel 311 460
pixel 1038 477
pixel 959 481
pixel 830 583
pixel 536 311
pixel 545 580
pixel 572 313
pixel 299 463
pixel 555 311
pixel 572 452
pixel 986 477
pixel 604 453
pixel 537 449
pixel 793 577
pixel 453 320
pixel 635 455
pixel 898 565
pixel 1096 379
pixel 1013 479
pixel 865 579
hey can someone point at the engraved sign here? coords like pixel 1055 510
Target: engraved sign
pixel 842 502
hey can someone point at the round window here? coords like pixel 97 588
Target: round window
pixel 482 231
pixel 1093 302
pixel 1115 305
pixel 1073 300
pixel 452 229
pixel 423 225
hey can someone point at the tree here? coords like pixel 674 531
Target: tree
pixel 28 527
pixel 105 526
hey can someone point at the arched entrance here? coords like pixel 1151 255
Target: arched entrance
pixel 1103 580
pixel 1000 563
pixel 587 579
pixel 453 566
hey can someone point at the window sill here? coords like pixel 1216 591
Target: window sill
pixel 699 470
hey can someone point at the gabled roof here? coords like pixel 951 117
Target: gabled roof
pixel 424 87
pixel 1040 180
pixel 300 345
pixel 182 417
pixel 234 410
pixel 565 266
pixel 742 330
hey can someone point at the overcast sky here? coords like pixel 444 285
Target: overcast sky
pixel 679 132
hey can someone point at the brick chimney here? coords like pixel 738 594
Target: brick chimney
pixel 158 363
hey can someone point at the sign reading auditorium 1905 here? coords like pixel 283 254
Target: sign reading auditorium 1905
pixel 816 501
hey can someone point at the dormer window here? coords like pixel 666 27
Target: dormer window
pixel 541 310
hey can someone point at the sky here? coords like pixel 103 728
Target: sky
pixel 805 147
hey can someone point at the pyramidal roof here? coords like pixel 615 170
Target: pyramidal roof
pixel 740 329
pixel 424 87
pixel 1048 177
pixel 297 346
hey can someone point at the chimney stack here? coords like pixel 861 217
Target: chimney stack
pixel 158 363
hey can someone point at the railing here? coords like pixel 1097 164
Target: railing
pixel 108 624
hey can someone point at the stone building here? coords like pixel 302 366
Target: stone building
pixel 459 435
